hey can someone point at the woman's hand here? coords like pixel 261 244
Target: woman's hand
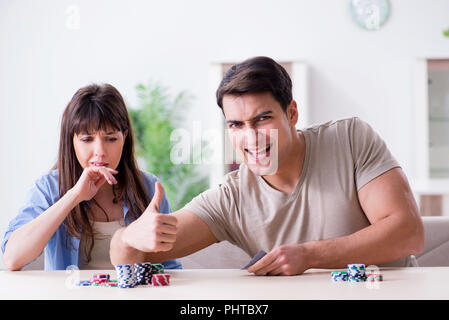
pixel 91 180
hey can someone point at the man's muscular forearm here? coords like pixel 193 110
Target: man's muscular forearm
pixel 387 240
pixel 121 253
pixel 139 242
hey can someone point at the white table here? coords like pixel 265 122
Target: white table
pixel 231 284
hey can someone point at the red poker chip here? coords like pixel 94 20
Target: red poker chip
pixel 109 284
pixel 160 279
pixel 98 281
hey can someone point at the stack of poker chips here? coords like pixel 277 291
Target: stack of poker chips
pixel 157 268
pixel 99 280
pixel 128 277
pixel 338 276
pixel 161 279
pixel 143 272
pixel 356 272
pixel 372 277
pixel 110 283
pixel 158 275
pixel 84 283
pixel 125 276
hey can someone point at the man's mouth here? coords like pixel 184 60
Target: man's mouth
pixel 260 153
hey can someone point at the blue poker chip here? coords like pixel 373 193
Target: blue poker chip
pixel 356 270
pixel 83 283
pixel 125 276
pixel 338 276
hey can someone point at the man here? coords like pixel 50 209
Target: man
pixel 322 197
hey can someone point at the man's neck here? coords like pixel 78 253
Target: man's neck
pixel 289 172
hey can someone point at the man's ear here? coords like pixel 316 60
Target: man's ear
pixel 292 113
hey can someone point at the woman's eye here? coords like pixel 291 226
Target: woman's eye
pixel 86 139
pixel 112 139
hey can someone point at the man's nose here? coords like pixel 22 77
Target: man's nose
pixel 254 137
pixel 250 136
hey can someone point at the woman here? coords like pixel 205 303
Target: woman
pixel 94 189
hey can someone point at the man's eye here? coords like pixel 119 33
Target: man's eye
pixel 264 118
pixel 234 125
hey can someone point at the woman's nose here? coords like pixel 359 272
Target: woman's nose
pixel 99 149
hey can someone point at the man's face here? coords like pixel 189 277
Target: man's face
pixel 259 130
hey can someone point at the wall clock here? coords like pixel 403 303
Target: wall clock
pixel 370 14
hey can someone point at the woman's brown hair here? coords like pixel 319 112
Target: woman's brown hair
pixel 93 108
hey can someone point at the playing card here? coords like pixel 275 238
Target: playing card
pixel 256 258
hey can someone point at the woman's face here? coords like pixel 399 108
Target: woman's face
pixel 102 148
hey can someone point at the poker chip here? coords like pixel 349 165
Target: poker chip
pixel 109 284
pixel 374 277
pixel 157 268
pixel 355 279
pixel 125 276
pixel 143 273
pixel 128 276
pixel 355 273
pixel 98 280
pixel 125 273
pixel 356 270
pixel 160 279
pixel 339 276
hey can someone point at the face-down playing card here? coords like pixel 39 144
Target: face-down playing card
pixel 256 258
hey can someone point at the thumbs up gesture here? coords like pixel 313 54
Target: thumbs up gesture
pixel 152 231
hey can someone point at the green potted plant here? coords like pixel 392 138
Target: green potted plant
pixel 154 121
pixel 446 32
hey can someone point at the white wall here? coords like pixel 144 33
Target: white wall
pixel 352 71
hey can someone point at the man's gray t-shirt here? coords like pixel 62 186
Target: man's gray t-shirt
pixel 341 157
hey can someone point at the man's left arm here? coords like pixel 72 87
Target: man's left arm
pixel 396 231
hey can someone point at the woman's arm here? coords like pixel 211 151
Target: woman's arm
pixel 27 242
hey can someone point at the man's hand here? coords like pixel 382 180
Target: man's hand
pixel 153 231
pixel 286 260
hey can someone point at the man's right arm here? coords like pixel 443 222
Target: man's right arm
pixel 156 241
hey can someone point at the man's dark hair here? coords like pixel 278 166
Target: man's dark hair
pixel 257 75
